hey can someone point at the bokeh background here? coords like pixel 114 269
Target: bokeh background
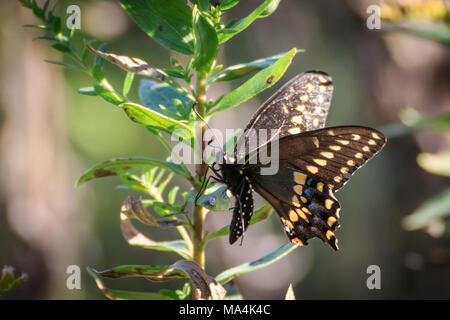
pixel 49 135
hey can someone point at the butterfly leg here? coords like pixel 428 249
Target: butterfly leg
pixel 203 186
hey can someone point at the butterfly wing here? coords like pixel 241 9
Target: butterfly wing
pixel 301 105
pixel 313 165
pixel 331 155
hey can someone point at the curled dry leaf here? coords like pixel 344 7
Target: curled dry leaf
pixel 206 287
pixel 133 208
pixel 129 64
pixel 290 293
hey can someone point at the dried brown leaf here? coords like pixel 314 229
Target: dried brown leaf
pixel 206 287
pixel 129 64
pixel 290 293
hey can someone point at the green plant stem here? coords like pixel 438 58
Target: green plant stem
pixel 199 212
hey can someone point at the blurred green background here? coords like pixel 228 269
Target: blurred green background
pixel 50 135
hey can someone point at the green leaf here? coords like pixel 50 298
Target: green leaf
pixel 214 198
pixel 170 25
pixel 265 9
pixel 156 120
pixel 272 257
pixel 436 208
pixel 113 294
pixel 107 95
pixel 154 273
pixel 243 69
pixel 228 4
pixel 119 166
pixel 259 82
pixel 435 163
pixel 154 95
pixel 205 42
pixel 62 48
pixel 433 31
pixel 127 83
pixel 98 60
pixel 63 64
pixel 259 215
pixel 414 119
pixel 88 91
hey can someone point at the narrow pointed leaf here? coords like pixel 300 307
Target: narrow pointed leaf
pixel 436 208
pixel 276 255
pixel 154 95
pixel 205 42
pixel 265 9
pixel 259 82
pixel 244 69
pixel 156 120
pixel 113 294
pixel 170 25
pixel 154 273
pixel 435 163
pixel 121 166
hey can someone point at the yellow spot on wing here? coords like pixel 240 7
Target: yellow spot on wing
pixel 344 142
pixel 305 210
pixel 302 215
pixel 372 142
pixel 320 99
pixel 366 149
pixel 298 190
pixel 329 234
pixel 320 186
pixel 300 178
pixel 295 200
pixel 331 221
pixel 327 154
pixel 303 199
pixel 338 179
pixel 316 122
pixel 356 136
pixel 328 203
pixel 335 148
pixel 301 107
pixel 359 155
pixel 304 97
pixel 344 170
pixel 322 79
pixel 297 240
pixel 293 216
pixel 309 86
pixel 376 136
pixel 320 162
pixel 297 119
pixel 316 142
pixel 312 169
pixel 351 162
pixel 294 130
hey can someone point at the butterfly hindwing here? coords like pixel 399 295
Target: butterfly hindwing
pixel 307 207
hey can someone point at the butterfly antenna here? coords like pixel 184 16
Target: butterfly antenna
pixel 207 125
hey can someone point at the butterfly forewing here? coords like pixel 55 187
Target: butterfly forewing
pixel 300 105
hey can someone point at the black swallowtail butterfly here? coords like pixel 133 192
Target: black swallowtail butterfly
pixel 314 162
